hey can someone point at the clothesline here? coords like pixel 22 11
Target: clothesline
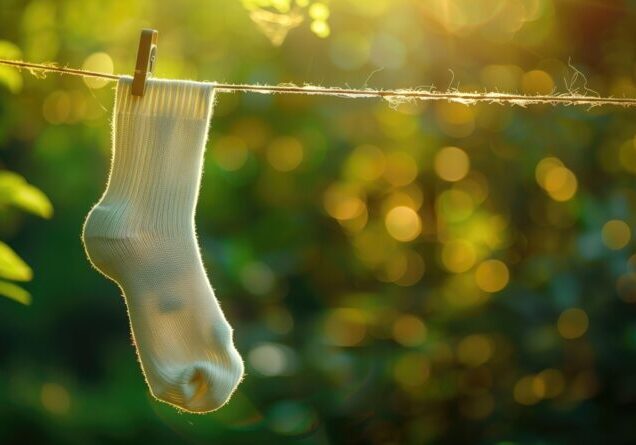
pixel 394 96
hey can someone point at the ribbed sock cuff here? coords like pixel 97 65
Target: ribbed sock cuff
pixel 166 97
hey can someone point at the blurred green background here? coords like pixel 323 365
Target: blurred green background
pixel 395 273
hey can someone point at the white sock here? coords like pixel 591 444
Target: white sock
pixel 141 235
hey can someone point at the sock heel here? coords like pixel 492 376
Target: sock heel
pixel 104 244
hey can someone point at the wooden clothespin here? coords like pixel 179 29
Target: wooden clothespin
pixel 146 58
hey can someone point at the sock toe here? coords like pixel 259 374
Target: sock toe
pixel 203 386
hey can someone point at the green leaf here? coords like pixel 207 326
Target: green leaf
pixel 14 292
pixel 14 190
pixel 31 199
pixel 12 266
pixel 10 77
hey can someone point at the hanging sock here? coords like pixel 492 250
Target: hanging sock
pixel 141 234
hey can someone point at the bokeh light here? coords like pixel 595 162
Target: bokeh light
pixel 271 359
pixel 55 398
pixel 492 275
pixel 557 180
pixel 456 120
pixel 452 164
pixel 455 205
pixel 525 391
pixel 56 108
pixel 572 323
pixel 99 62
pixel 537 82
pixel 285 153
pixel 345 327
pixel 412 370
pixel 626 287
pixel 403 223
pixel 230 153
pixel 343 202
pixel 475 350
pixel 349 51
pixel 549 383
pixel 366 163
pixel 459 256
pixel 401 168
pixel 409 330
pixel 616 234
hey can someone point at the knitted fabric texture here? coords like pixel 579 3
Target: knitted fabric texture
pixel 141 234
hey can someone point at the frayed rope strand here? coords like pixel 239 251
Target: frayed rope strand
pixel 51 67
pixel 394 97
pixel 408 95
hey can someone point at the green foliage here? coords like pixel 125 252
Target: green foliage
pixel 12 266
pixel 16 192
pixel 275 18
pixel 14 292
pixel 9 77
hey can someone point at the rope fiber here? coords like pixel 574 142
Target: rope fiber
pixel 394 97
